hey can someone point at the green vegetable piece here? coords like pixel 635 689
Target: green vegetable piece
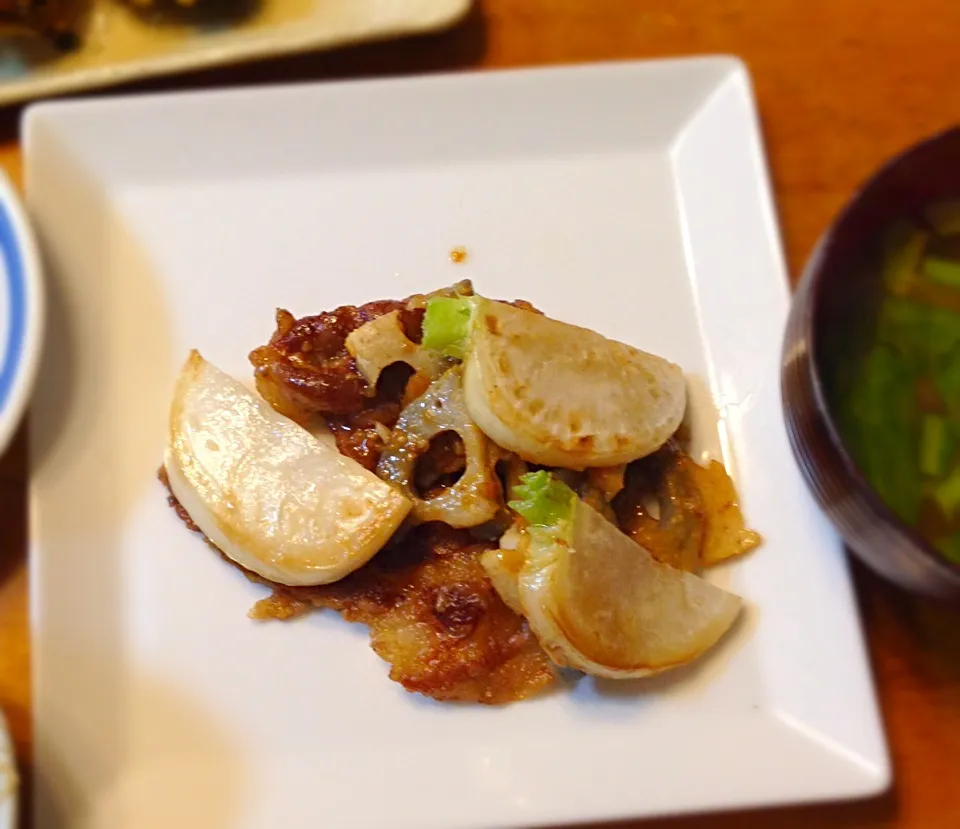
pixel 543 500
pixel 921 333
pixel 947 494
pixel 446 325
pixel 946 377
pixel 944 271
pixel 882 428
pixel 933 445
pixel 904 247
pixel 944 217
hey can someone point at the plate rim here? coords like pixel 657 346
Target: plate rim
pixel 732 67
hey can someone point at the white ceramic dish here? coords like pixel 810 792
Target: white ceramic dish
pixel 8 780
pixel 118 45
pixel 21 310
pixel 631 198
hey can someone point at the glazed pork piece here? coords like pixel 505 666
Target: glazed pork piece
pixel 305 372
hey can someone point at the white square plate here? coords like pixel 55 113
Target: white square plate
pixel 631 198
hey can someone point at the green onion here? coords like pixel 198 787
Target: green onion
pixel 446 325
pixel 944 271
pixel 933 442
pixel 904 247
pixel 947 494
pixel 542 499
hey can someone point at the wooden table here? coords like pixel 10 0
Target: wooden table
pixel 841 84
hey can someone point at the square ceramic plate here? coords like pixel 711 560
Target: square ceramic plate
pixel 630 198
pixel 117 44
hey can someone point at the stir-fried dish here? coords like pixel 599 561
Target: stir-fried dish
pixel 899 405
pixel 495 493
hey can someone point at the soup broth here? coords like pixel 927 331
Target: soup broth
pixel 898 401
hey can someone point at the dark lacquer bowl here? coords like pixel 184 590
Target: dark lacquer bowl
pixel 837 289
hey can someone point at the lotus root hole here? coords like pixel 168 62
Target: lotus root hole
pixel 440 466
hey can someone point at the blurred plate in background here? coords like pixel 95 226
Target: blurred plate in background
pixel 115 42
pixel 21 310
